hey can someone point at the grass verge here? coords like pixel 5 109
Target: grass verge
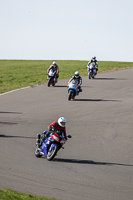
pixel 16 74
pixel 13 195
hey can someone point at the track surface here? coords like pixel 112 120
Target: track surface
pixel 96 164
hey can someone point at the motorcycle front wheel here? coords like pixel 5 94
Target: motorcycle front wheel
pixel 49 82
pixel 70 95
pixel 51 153
pixel 89 75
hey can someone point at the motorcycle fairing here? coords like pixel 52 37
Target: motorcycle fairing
pixel 73 86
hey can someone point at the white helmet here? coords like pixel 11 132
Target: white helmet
pixel 76 74
pixel 54 63
pixel 62 121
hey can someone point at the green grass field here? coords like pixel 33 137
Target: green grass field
pixel 16 74
pixel 13 195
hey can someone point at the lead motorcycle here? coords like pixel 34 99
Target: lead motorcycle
pixel 72 89
pixel 92 72
pixel 51 77
pixel 51 145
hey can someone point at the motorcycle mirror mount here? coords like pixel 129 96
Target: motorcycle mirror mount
pixel 53 128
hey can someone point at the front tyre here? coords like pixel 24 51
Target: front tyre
pixel 51 153
pixel 70 95
pixel 49 82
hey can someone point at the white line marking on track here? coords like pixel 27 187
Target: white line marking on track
pixel 14 90
pixel 21 89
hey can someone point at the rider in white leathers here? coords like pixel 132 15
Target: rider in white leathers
pixel 95 61
pixel 79 79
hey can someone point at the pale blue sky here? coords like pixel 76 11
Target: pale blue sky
pixel 66 29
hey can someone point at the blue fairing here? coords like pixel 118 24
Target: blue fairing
pixel 45 146
pixel 73 90
pixel 91 69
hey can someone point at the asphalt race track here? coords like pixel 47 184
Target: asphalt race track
pixel 97 162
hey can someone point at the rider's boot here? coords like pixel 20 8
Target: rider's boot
pixel 38 140
pixel 80 89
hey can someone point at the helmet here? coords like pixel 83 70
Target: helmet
pixel 62 121
pixel 54 63
pixel 76 74
pixel 94 58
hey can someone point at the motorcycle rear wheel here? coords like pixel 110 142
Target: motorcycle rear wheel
pixel 37 152
pixel 51 154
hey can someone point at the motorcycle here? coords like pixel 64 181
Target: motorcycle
pixel 72 89
pixel 51 145
pixel 51 77
pixel 92 72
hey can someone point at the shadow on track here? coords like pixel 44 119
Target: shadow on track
pixel 60 86
pixel 10 123
pixel 109 79
pixel 11 136
pixel 88 162
pixel 94 100
pixel 10 112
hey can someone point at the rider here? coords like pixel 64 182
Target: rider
pixel 55 67
pixel 95 61
pixel 79 79
pixel 53 127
